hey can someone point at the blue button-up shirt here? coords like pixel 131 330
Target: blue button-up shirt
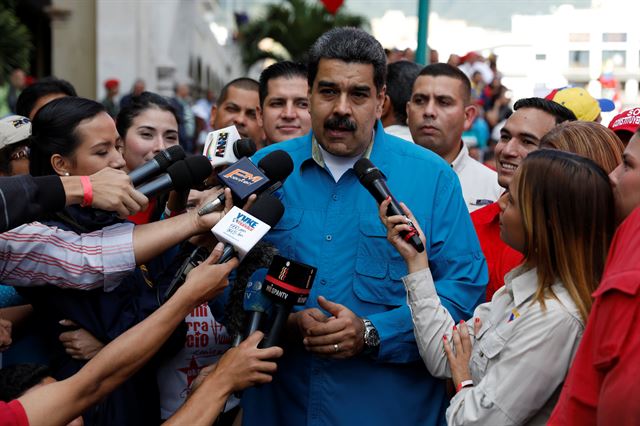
pixel 335 227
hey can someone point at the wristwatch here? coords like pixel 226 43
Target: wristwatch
pixel 371 338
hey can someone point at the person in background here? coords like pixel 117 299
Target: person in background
pixel 439 111
pixel 509 368
pixel 14 145
pixel 625 124
pixel 186 119
pixel 238 105
pixel 581 103
pixel 112 87
pixel 521 134
pixel 400 78
pixel 284 102
pixel 138 87
pixel 601 386
pixel 202 112
pixel 41 93
pixel 587 139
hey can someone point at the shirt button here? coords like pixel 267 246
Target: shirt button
pixel 481 354
pixel 323 281
pixel 335 197
pixel 328 237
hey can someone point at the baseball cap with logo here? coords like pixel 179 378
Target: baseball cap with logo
pixel 14 129
pixel 626 123
pixel 578 100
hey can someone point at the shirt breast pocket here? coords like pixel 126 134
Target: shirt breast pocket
pixel 490 343
pixel 282 235
pixel 379 268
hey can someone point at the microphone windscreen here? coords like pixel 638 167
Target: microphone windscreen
pixel 277 165
pixel 366 171
pixel 180 176
pixel 260 256
pixel 244 148
pixel 199 167
pixel 267 209
pixel 175 153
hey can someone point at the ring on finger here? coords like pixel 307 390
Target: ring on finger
pixel 336 348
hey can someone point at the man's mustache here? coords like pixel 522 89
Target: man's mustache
pixel 340 123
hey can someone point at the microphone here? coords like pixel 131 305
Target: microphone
pixel 241 230
pixel 199 168
pixel 156 165
pixel 375 182
pixel 275 166
pixel 180 176
pixel 255 301
pixel 288 283
pixel 260 256
pixel 225 146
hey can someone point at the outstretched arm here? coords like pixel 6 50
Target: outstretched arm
pixel 60 402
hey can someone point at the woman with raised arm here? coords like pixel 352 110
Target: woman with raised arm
pixel 509 365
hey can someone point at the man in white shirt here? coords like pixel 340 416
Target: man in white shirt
pixel 439 110
pixel 400 78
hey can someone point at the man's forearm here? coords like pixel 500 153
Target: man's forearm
pixel 152 239
pixel 205 404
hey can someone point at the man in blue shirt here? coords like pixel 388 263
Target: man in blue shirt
pixel 350 356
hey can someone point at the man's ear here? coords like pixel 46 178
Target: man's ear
pixel 259 116
pixel 470 114
pixel 387 108
pixel 380 97
pixel 60 165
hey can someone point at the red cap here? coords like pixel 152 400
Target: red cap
pixel 111 83
pixel 628 121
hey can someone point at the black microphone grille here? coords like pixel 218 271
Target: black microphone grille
pixel 277 165
pixel 199 167
pixel 244 148
pixel 268 209
pixel 366 171
pixel 169 156
pixel 180 175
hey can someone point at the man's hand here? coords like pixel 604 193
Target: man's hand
pixel 208 280
pixel 79 344
pixel 246 365
pixel 341 336
pixel 112 191
pixel 5 334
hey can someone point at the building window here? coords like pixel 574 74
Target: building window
pixel 541 57
pixel 579 37
pixel 617 57
pixel 579 58
pixel 614 37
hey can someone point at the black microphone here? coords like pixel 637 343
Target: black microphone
pixel 199 168
pixel 244 148
pixel 287 283
pixel 276 165
pixel 375 182
pixel 240 231
pixel 158 164
pixel 177 177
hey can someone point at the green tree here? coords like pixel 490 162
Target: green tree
pixel 294 24
pixel 15 41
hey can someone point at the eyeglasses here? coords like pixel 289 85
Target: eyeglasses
pixel 20 153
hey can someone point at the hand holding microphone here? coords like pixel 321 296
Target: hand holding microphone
pixel 396 226
pixel 375 182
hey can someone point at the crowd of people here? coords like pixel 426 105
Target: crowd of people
pixel 518 306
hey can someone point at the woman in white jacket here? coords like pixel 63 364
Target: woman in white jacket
pixel 509 367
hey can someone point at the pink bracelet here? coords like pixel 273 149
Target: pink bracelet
pixel 87 188
pixel 464 384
